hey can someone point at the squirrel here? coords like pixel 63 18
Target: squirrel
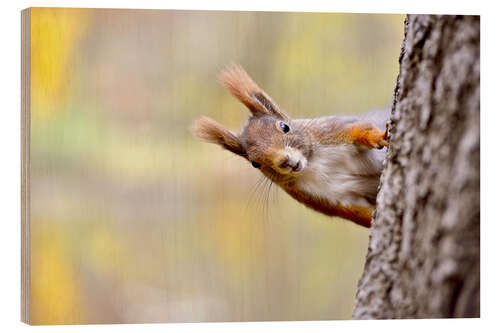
pixel 329 164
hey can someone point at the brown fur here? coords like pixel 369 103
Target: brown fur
pixel 240 85
pixel 358 214
pixel 367 135
pixel 211 131
pixel 292 159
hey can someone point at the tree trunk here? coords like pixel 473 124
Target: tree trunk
pixel 423 255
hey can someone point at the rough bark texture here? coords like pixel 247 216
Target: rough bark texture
pixel 423 256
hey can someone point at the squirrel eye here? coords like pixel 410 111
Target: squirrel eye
pixel 284 127
pixel 255 164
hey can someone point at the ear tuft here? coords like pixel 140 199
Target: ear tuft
pixel 240 85
pixel 209 130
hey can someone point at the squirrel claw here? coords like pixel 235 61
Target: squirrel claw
pixel 382 144
pixel 382 140
pixel 386 132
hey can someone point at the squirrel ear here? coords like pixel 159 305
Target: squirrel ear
pixel 209 130
pixel 240 85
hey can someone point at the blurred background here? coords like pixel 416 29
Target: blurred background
pixel 134 220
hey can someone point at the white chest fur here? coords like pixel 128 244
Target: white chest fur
pixel 342 174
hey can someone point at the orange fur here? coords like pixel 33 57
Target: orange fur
pixel 358 214
pixel 240 85
pixel 209 130
pixel 367 135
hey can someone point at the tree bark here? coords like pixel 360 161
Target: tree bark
pixel 423 255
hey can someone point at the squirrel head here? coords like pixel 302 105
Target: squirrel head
pixel 270 141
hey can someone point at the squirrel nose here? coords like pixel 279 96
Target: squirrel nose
pixel 285 163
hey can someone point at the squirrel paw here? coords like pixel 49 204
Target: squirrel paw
pixel 369 136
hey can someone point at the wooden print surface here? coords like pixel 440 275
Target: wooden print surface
pixel 133 220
